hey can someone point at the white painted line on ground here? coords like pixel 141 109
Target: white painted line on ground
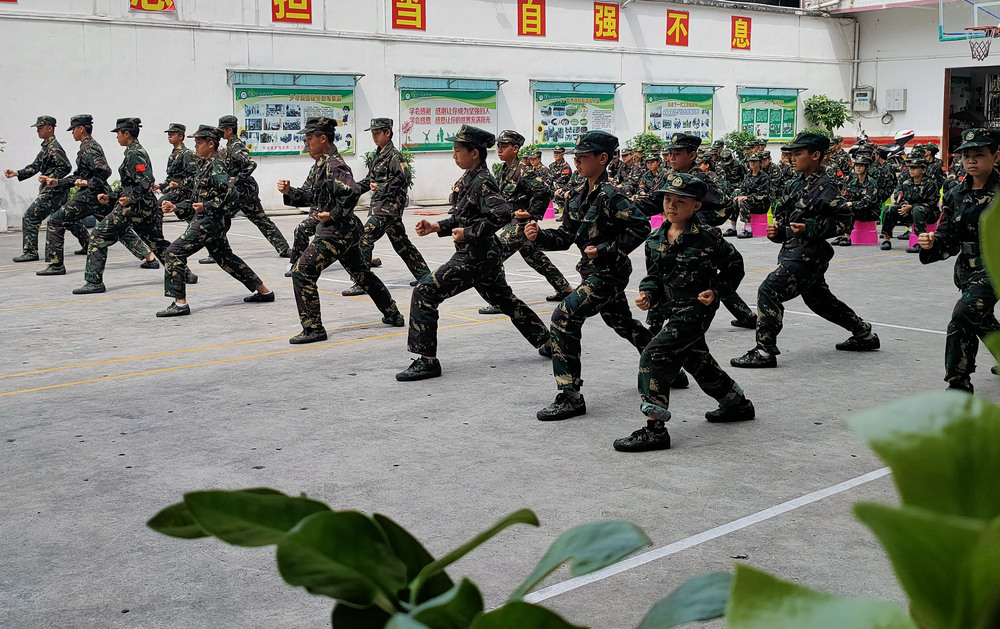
pixel 881 325
pixel 706 536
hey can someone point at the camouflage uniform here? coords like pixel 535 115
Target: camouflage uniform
pixel 863 197
pixel 51 161
pixel 182 166
pixel 241 167
pixel 759 195
pixel 304 197
pixel 923 197
pixel 480 210
pixel 561 175
pixel 91 165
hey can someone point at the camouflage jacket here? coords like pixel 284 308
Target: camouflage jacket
pixel 783 173
pixel 842 161
pixel 136 174
pixel 815 201
pixel 181 166
pixel 525 189
pixel 863 198
pixel 649 181
pixel 937 172
pixel 885 177
pixel 480 210
pixel 241 166
pixel 733 172
pixel 92 165
pixel 604 218
pixel 51 161
pixel 958 232
pixel 392 181
pixel 908 192
pixel 572 186
pixel 757 189
pixel 560 172
pixel 699 259
pixel 303 197
pixel 336 192
pixel 714 207
pixel 208 185
pixel 621 177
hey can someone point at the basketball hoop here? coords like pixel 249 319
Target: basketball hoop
pixel 979 40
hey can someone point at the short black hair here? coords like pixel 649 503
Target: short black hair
pixel 474 147
pixel 89 128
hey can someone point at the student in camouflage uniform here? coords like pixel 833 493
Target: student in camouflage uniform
pixel 935 167
pixel 479 212
pixel 561 174
pixel 621 178
pixel 606 227
pixel 132 207
pixel 754 195
pixel 860 196
pixel 809 211
pixel 615 165
pixel 241 167
pixel 883 173
pixel 959 235
pixel 389 181
pixel 182 165
pixel 956 174
pixel 688 268
pixel 302 197
pixel 338 236
pixel 208 201
pixel 526 191
pixel 649 180
pixel 915 199
pixel 51 163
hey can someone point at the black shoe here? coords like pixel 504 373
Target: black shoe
pixel 741 412
pixel 904 236
pixel 994 370
pixel 288 273
pixel 837 240
pixel 376 263
pixel 845 242
pixel 729 233
pixel 913 249
pixel 490 310
pixel 564 407
pixel 150 264
pixel 27 257
pixel 52 269
pixel 206 260
pixel 860 344
pixel 285 254
pixel 681 381
pixel 749 324
pixel 190 278
pixel 173 310
pixel 963 387
pixel 259 298
pixel 308 336
pixel 559 296
pixel 644 440
pixel 89 288
pixel 353 291
pixel 395 320
pixel 420 369
pixel 886 245
pixel 414 282
pixel 754 360
pixel 545 350
pixel 80 252
pixel 746 233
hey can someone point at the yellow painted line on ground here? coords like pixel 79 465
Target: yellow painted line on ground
pixel 83 301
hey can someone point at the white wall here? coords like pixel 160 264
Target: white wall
pixel 63 57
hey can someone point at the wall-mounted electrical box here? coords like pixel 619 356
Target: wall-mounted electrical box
pixel 895 100
pixel 862 99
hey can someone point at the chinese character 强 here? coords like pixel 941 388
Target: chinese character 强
pixel 606 21
pixel 677 28
pixel 531 17
pixel 741 33
pixel 291 11
pixel 152 5
pixel 409 14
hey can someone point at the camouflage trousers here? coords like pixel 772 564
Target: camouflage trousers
pixel 681 344
pixel 147 225
pixel 596 294
pixel 41 208
pixel 303 234
pixel 253 210
pixel 512 240
pixel 70 216
pixel 379 225
pixel 455 276
pixel 733 303
pixel 971 320
pixel 209 232
pixel 792 279
pixel 321 253
pixel 891 218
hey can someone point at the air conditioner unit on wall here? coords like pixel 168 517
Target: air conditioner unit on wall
pixel 895 100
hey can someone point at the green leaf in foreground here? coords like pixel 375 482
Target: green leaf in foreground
pixel 249 517
pixel 521 616
pixel 176 521
pixel 415 556
pixel 454 609
pixel 701 598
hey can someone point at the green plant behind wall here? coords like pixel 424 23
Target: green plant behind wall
pixel 828 113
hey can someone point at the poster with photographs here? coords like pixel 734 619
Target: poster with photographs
pixel 562 117
pixel 771 118
pixel 667 114
pixel 273 119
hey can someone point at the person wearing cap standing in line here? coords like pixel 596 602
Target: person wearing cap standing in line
pixel 208 199
pixel 132 207
pixel 688 267
pixel 182 165
pixel 303 197
pixel 335 194
pixel 809 211
pixel 959 234
pixel 479 212
pixel 915 200
pixel 241 167
pixel 606 227
pixel 51 163
pixel 754 195
pixel 388 180
pixel 561 172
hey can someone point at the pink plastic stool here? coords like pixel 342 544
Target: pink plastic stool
pixel 656 221
pixel 931 227
pixel 864 233
pixel 758 224
pixel 550 212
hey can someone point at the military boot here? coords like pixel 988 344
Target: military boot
pixel 860 343
pixel 52 269
pixel 353 291
pixel 26 257
pixel 149 264
pixel 565 407
pixel 89 288
pixel 394 319
pixel 652 436
pixel 420 369
pixel 739 412
pixel 174 310
pixel 308 336
pixel 755 359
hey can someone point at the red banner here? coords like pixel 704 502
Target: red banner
pixel 741 33
pixel 677 27
pixel 531 18
pixel 297 11
pixel 605 21
pixel 149 5
pixel 410 14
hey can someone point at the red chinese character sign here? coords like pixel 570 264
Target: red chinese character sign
pixel 605 21
pixel 299 11
pixel 741 33
pixel 531 18
pixel 152 5
pixel 411 14
pixel 677 28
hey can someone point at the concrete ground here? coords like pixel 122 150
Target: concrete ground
pixel 108 414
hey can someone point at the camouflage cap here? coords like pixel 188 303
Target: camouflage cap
pixel 127 124
pixel 726 154
pixel 683 141
pixel 837 139
pixel 764 155
pixel 508 136
pixel 474 136
pixel 653 156
pixel 596 142
pixel 533 153
pixel 683 185
pixel 703 159
pixel 562 149
pixel 380 124
pixel 80 120
pixel 45 121
pixel 319 124
pixel 207 132
pixel 719 144
pixel 974 138
pixel 809 140
pixel 933 148
pixel 231 122
pixel 916 162
pixel 176 127
pixel 862 159
pixel 918 148
pixel 756 156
